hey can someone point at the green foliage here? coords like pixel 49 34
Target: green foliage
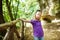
pixel 20 9
pixel 5 12
pixel 26 8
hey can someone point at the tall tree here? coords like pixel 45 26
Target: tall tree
pixel 2 30
pixel 13 27
pixel 1 13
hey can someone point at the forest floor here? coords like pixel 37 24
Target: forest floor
pixel 49 34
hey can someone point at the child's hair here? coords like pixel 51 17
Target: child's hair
pixel 38 11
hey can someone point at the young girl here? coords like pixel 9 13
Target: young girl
pixel 37 27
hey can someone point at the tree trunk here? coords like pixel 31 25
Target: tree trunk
pixel 16 10
pixel 9 9
pixel 22 38
pixel 3 31
pixel 13 29
pixel 40 4
pixel 1 13
pixel 10 35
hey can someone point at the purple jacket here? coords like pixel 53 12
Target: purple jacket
pixel 37 28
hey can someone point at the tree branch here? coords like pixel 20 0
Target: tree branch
pixel 8 24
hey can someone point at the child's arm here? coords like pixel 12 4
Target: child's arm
pixel 24 20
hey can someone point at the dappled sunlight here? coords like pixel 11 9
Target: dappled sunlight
pixel 21 19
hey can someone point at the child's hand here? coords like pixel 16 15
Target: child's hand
pixel 19 18
pixel 22 19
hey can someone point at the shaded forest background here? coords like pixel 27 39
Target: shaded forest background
pixel 11 28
